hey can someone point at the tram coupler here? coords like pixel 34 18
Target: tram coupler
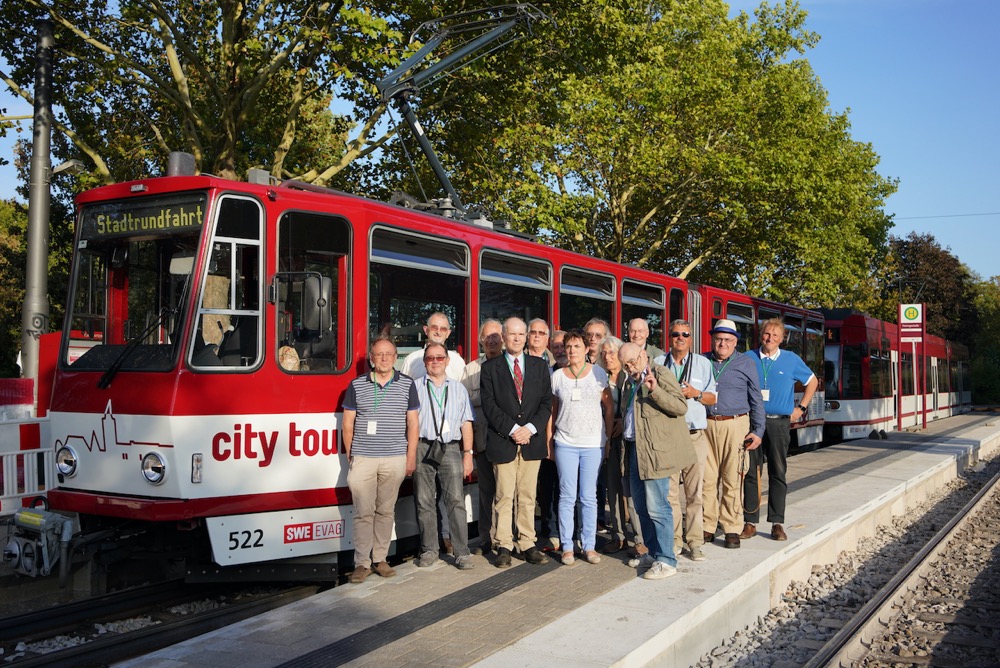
pixel 38 540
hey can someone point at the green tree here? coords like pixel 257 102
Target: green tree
pixel 236 84
pixel 671 136
pixel 13 223
pixel 929 273
pixel 985 364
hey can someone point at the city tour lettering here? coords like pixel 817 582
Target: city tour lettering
pixel 245 442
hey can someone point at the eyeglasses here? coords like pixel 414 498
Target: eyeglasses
pixel 634 362
pixel 438 328
pixel 536 332
pixel 686 335
pixel 383 356
pixel 436 358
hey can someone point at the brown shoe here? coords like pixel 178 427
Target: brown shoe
pixel 778 532
pixel 359 575
pixel 732 541
pixel 446 546
pixel 749 531
pixel 384 569
pixel 709 537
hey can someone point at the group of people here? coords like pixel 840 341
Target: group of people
pixel 539 415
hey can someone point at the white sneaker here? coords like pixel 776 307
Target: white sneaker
pixel 658 571
pixel 645 561
pixel 695 554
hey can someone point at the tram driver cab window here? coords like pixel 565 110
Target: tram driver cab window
pixel 228 329
pixel 310 290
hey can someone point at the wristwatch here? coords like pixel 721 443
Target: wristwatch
pixel 803 409
pixel 698 398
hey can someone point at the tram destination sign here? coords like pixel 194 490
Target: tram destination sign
pixel 160 215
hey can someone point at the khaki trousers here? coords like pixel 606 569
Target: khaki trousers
pixel 517 482
pixel 374 483
pixel 694 489
pixel 723 495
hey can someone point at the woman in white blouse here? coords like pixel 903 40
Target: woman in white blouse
pixel 581 418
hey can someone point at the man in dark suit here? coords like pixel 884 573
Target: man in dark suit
pixel 516 395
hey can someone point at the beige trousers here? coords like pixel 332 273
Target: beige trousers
pixel 374 483
pixel 517 482
pixel 723 493
pixel 694 487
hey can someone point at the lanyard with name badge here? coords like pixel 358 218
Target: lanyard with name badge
pixel 373 424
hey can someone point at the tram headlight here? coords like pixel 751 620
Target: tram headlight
pixel 154 469
pixel 66 461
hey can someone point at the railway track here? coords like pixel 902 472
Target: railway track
pixel 122 625
pixel 942 608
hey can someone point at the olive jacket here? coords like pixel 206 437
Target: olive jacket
pixel 662 441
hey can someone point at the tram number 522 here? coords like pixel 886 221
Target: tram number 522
pixel 242 540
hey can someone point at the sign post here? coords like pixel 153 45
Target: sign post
pixel 912 327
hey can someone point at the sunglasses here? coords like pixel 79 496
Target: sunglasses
pixel 438 358
pixel 686 335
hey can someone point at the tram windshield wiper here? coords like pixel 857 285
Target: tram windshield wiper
pixel 108 375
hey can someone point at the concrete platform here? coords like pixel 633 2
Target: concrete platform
pixel 601 615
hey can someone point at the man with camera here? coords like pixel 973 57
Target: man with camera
pixel 444 455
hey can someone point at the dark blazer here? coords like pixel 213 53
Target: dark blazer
pixel 503 411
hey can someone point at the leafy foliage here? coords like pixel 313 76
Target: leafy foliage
pixel 670 136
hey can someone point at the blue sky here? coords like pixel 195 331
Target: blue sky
pixel 920 80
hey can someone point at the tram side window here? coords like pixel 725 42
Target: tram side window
pixel 942 368
pixel 814 347
pixel 881 374
pixel 513 286
pixel 742 317
pixel 646 302
pixel 584 295
pixel 311 289
pixel 906 366
pixel 411 278
pixel 228 329
pixel 89 307
pixel 851 381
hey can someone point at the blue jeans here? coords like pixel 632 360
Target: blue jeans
pixel 655 515
pixel 449 475
pixel 578 468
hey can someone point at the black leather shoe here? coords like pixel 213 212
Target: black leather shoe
pixel 613 546
pixel 732 541
pixel 709 537
pixel 503 558
pixel 534 556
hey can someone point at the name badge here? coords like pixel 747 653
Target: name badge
pixel 766 394
pixel 445 428
pixel 576 394
pixel 372 427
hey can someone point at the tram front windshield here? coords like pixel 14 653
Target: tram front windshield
pixel 132 276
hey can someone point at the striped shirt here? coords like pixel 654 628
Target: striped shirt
pixel 453 398
pixel 386 407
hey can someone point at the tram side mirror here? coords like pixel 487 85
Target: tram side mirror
pixel 316 303
pixel 182 264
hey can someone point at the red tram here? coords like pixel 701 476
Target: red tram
pixel 873 386
pixel 213 327
pixel 803 336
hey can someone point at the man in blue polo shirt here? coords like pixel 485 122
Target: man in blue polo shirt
pixel 778 371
